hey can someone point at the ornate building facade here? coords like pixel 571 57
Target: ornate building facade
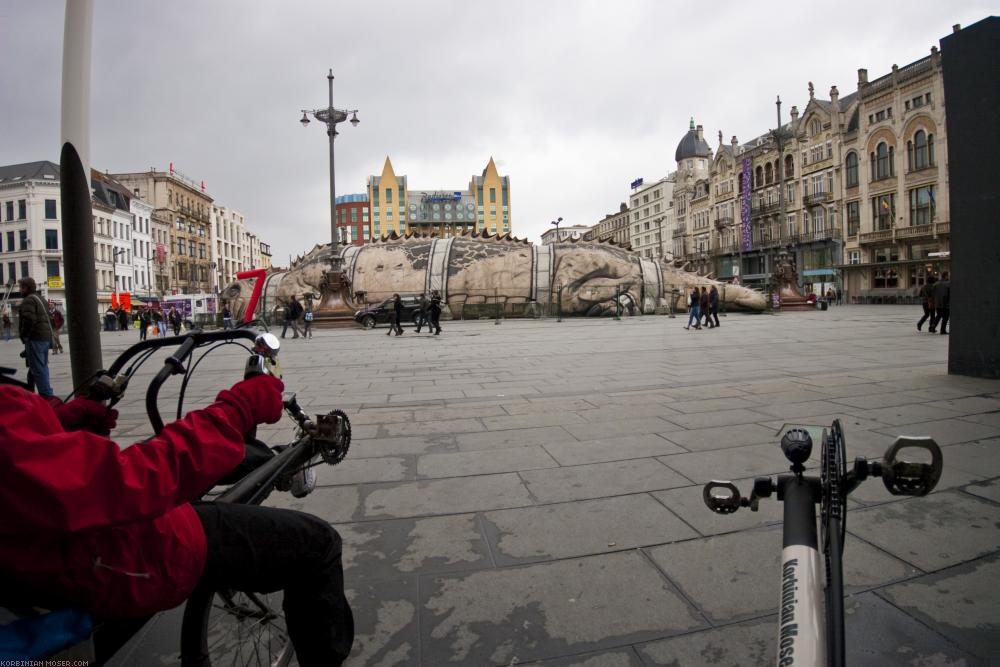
pixel 853 192
pixel 614 227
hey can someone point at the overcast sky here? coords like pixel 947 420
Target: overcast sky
pixel 573 99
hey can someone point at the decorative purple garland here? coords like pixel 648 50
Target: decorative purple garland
pixel 747 237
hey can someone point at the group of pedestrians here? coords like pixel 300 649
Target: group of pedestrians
pixel 935 297
pixel 703 305
pixel 293 311
pixel 428 313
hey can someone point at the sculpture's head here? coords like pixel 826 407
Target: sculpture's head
pixel 237 295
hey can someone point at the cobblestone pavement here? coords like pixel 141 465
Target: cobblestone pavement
pixel 531 492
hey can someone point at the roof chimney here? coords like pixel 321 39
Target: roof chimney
pixel 862 76
pixel 834 96
pixel 795 113
pixel 700 132
pixel 956 28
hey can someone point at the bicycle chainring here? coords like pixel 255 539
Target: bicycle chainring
pixel 833 472
pixel 333 439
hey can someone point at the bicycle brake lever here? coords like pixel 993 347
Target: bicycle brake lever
pixel 724 504
pixel 904 478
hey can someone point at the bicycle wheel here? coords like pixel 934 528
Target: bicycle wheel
pixel 235 629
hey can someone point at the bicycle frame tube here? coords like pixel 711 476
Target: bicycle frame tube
pixel 254 488
pixel 800 609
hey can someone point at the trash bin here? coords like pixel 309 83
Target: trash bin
pixel 822 304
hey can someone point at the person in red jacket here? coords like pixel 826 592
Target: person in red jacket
pixel 114 531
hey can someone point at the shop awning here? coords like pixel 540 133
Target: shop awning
pixel 898 262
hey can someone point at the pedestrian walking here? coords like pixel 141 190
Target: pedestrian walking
pixel 6 327
pixel 35 331
pixel 713 304
pixel 292 313
pixel 110 319
pixel 395 316
pixel 227 317
pixel 705 308
pixel 122 319
pixel 161 322
pixel 57 324
pixel 175 320
pixel 942 305
pixel 307 318
pixel 144 319
pixel 927 301
pixel 434 310
pixel 694 309
pixel 423 312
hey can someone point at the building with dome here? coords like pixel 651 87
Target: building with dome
pixel 691 201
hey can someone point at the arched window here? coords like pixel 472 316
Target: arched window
pixel 851 167
pixel 789 167
pixel 920 151
pixel 815 126
pixel 759 181
pixel 883 159
pixel 768 173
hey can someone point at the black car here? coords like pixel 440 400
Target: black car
pixel 380 314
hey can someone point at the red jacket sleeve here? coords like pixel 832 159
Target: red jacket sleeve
pixel 68 481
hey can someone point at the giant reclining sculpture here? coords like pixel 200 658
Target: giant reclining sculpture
pixel 577 277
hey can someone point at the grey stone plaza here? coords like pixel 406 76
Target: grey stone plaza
pixel 531 492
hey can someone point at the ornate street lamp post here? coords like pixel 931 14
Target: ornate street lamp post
pixel 331 116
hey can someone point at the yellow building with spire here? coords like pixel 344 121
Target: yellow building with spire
pixel 485 206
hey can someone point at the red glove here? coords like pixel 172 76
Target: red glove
pixel 258 400
pixel 84 414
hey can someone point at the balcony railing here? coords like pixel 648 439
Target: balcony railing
pixel 817 198
pixel 914 231
pixel 723 221
pixel 764 208
pixel 679 231
pixel 942 228
pixel 829 233
pixel 876 236
pixel 727 249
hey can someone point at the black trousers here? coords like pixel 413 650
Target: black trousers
pixel 941 319
pixel 267 549
pixel 435 320
pixel 928 314
pixel 715 314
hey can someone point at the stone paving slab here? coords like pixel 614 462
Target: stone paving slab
pixel 735 576
pixel 989 490
pixel 429 545
pixel 443 496
pixel 566 530
pixel 960 603
pixel 618 658
pixel 600 479
pixel 611 449
pixel 461 464
pixel 385 621
pixel 722 437
pixel 934 532
pixel 947 431
pixel 548 610
pixel 687 503
pixel 515 437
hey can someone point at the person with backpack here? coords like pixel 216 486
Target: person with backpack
pixel 35 331
pixel 307 318
pixel 57 324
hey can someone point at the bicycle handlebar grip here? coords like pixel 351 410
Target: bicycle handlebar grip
pixel 721 504
pixel 903 478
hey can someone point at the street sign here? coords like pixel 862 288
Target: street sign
pixel 55 282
